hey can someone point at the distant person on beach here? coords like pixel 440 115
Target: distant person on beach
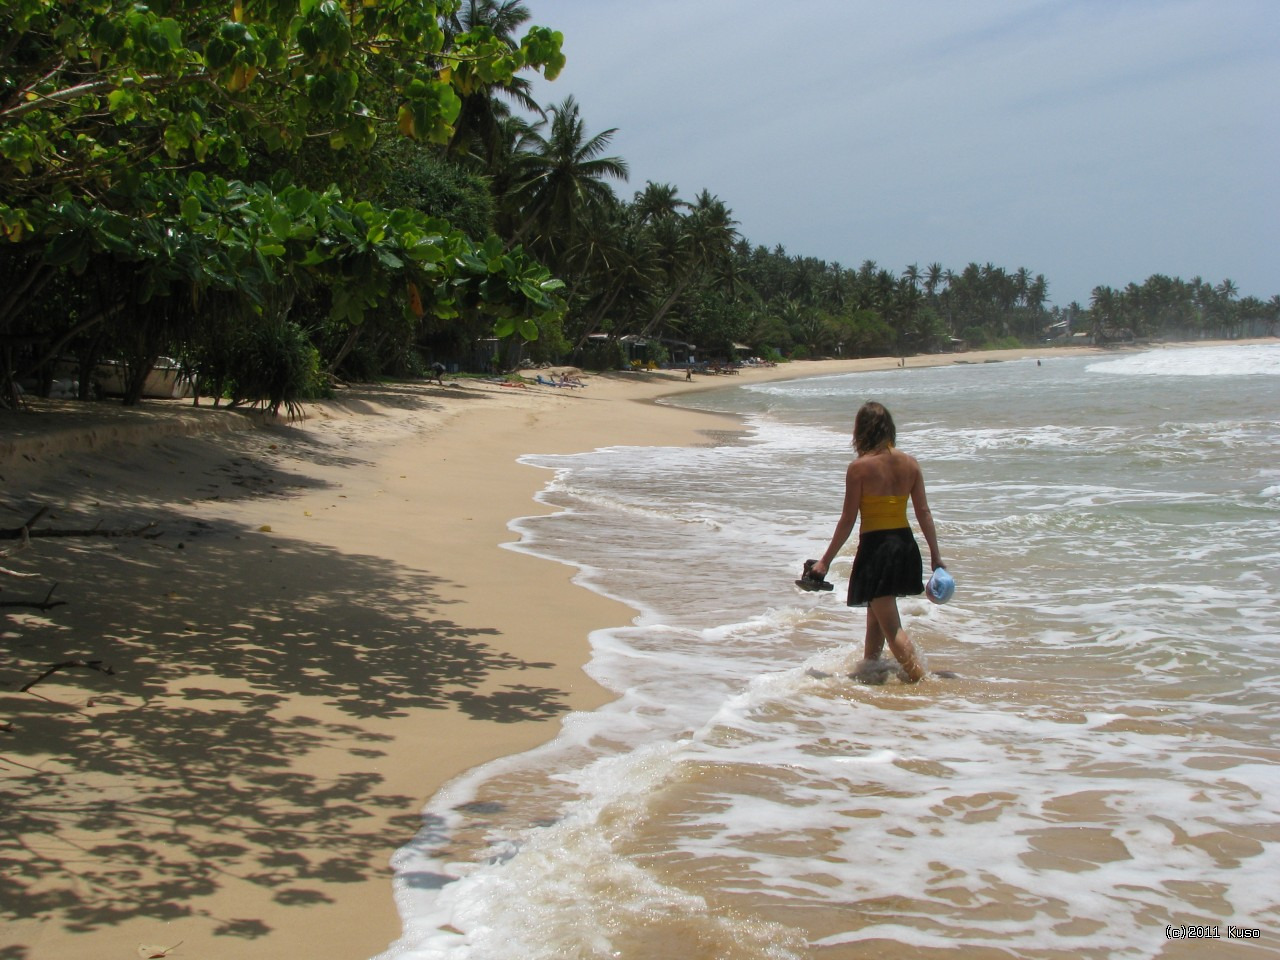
pixel 887 565
pixel 437 371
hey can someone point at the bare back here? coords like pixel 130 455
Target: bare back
pixel 885 473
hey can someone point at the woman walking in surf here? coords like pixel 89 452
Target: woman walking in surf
pixel 887 565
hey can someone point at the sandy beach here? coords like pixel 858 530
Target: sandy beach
pixel 308 629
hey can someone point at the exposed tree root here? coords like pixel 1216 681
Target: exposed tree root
pixel 67 665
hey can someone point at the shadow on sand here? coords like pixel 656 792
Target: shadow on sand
pixel 136 794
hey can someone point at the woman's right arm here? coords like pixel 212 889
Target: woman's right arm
pixel 848 517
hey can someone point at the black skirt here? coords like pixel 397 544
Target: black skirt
pixel 887 564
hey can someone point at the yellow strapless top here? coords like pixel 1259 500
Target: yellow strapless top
pixel 883 513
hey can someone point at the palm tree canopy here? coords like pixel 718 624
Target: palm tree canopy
pixel 564 174
pixel 657 200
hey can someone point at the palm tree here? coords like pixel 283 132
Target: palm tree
pixel 911 275
pixel 713 228
pixel 1224 307
pixel 932 277
pixel 806 325
pixel 805 279
pixel 833 285
pixel 476 132
pixel 614 268
pixel 906 303
pixel 1103 310
pixel 658 200
pixel 1021 284
pixel 564 175
pixel 700 248
pixel 506 172
pixel 1038 293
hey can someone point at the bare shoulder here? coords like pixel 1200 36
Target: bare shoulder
pixel 906 458
pixel 906 465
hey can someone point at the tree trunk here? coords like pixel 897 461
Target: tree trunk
pixel 11 307
pixel 345 349
pixel 53 351
pixel 666 305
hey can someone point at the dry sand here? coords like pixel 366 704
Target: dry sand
pixel 316 629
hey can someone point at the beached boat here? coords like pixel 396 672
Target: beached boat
pixel 167 379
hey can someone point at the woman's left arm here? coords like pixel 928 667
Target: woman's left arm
pixel 924 517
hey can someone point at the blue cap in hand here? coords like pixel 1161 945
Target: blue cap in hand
pixel 940 586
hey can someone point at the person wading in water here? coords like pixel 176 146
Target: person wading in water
pixel 887 565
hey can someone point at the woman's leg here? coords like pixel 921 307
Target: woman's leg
pixel 873 643
pixel 871 669
pixel 885 611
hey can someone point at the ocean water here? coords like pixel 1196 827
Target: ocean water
pixel 1102 763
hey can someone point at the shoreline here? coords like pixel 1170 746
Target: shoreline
pixel 325 629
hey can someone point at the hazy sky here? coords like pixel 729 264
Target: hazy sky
pixel 1094 142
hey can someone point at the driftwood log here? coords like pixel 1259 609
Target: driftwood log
pixel 48 603
pixel 22 533
pixel 25 533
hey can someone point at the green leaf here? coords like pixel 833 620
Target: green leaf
pixel 175 140
pixel 166 36
pixel 281 224
pixel 427 250
pixel 234 33
pixel 390 260
pixel 320 91
pixel 219 53
pixel 65 249
pixel 120 102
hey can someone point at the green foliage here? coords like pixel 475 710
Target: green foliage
pixel 1002 343
pixel 123 127
pixel 864 333
pixel 274 364
pixel 715 321
pixel 189 84
pixel 1172 306
pixel 423 180
pixel 602 355
pixel 550 346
